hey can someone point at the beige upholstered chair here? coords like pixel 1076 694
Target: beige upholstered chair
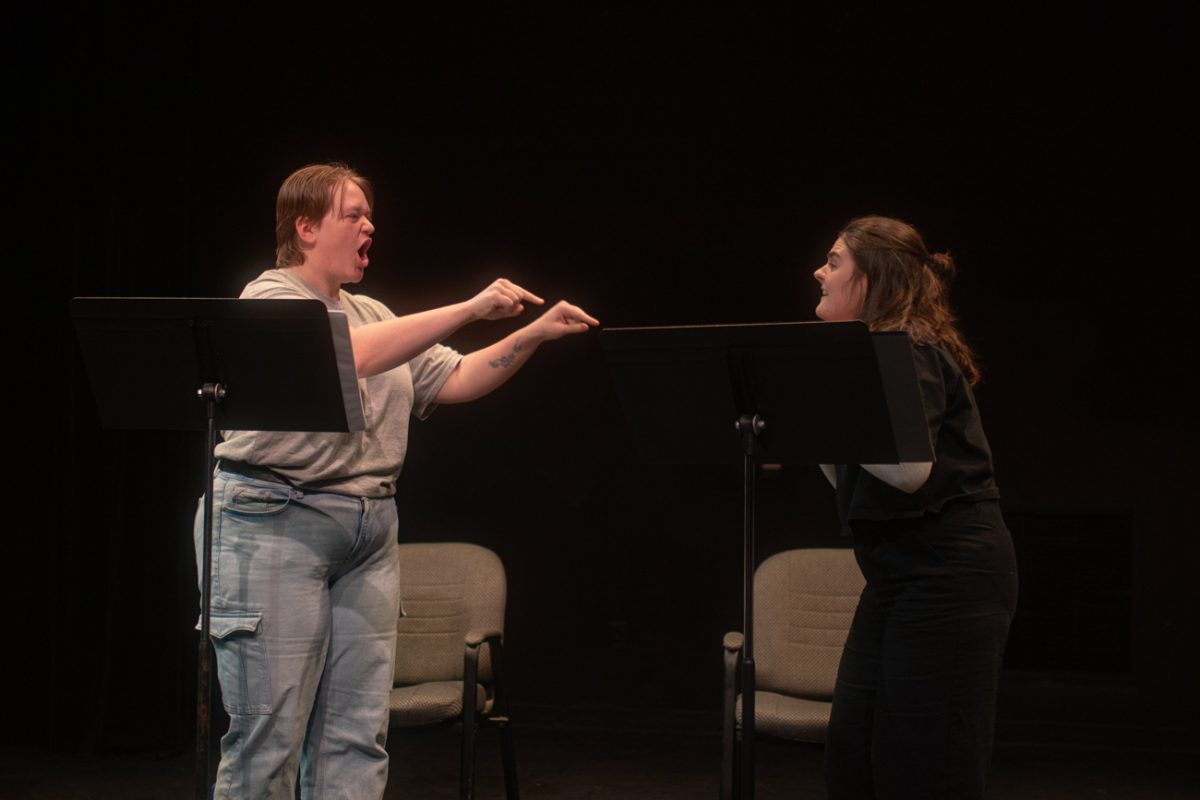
pixel 804 601
pixel 453 599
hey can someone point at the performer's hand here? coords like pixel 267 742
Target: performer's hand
pixel 502 299
pixel 561 319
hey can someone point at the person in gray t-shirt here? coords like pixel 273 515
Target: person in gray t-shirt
pixel 305 584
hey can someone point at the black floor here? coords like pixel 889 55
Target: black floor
pixel 563 764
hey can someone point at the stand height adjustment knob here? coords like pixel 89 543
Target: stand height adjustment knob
pixel 753 424
pixel 211 391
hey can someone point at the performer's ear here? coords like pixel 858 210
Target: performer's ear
pixel 306 230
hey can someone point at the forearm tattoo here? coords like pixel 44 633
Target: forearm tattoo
pixel 506 361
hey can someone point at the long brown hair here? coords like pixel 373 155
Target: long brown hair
pixel 907 286
pixel 308 193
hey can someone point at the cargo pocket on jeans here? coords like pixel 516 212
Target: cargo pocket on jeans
pixel 242 666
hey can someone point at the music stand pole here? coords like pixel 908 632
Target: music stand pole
pixel 749 426
pixel 211 393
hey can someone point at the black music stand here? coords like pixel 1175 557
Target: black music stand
pixel 795 393
pixel 217 364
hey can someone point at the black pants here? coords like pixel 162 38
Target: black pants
pixel 914 706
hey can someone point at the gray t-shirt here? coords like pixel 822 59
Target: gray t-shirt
pixel 366 463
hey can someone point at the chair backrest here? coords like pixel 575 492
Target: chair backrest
pixel 804 601
pixel 446 589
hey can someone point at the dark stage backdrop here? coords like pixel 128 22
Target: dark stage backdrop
pixel 654 166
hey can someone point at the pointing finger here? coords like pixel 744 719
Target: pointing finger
pixel 530 296
pixel 580 314
pixel 520 291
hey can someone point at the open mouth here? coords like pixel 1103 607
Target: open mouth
pixel 362 253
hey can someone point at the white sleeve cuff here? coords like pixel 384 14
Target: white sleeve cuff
pixel 905 477
pixel 830 472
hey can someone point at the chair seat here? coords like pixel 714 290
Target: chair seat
pixel 427 703
pixel 788 717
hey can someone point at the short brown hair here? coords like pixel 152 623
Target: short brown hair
pixel 907 286
pixel 308 194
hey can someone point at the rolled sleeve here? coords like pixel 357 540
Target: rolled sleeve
pixel 430 370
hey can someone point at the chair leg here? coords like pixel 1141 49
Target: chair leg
pixel 728 769
pixel 508 756
pixel 467 776
pixel 729 738
pixel 745 759
pixel 470 723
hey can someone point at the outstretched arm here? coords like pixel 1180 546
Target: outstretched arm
pixel 381 346
pixel 484 370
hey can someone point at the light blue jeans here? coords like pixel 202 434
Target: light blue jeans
pixel 305 596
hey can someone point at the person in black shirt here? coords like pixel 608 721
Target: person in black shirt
pixel 913 709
